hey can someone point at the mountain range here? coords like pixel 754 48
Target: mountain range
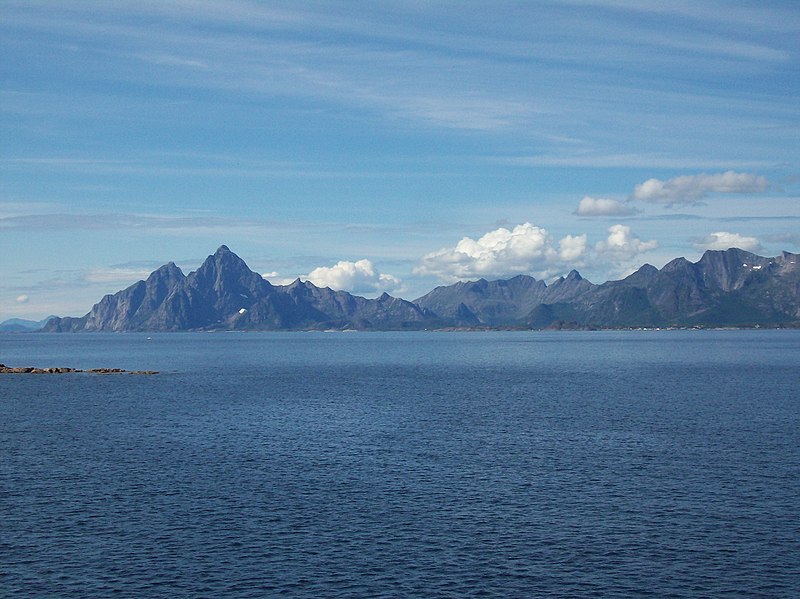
pixel 20 325
pixel 724 288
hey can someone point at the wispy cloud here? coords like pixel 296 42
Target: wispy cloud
pixel 781 18
pixel 112 221
pixel 787 238
pixel 390 63
pixel 639 161
pixel 199 165
pixel 690 189
pixel 117 275
pixel 589 206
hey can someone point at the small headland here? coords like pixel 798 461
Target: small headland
pixel 61 370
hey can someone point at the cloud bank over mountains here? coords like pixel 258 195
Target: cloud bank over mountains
pixel 522 249
pixel 357 277
pixel 530 249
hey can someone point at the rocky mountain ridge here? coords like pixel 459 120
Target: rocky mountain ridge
pixel 224 294
pixel 724 288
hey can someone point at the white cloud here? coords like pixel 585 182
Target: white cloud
pixel 22 299
pixel 524 249
pixel 690 189
pixel 622 244
pixel 528 249
pixel 722 240
pixel 572 247
pixel 359 277
pixel 590 206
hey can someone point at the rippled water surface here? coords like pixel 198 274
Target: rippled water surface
pixel 403 465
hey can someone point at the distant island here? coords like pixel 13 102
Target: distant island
pixel 731 288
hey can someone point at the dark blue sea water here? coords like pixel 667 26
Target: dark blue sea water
pixel 592 464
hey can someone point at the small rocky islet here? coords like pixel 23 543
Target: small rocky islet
pixel 62 370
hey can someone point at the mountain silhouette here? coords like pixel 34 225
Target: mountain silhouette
pixel 724 288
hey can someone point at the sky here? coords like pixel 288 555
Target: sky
pixel 389 146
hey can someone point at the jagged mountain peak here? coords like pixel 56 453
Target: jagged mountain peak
pixel 225 267
pixel 643 276
pixel 676 265
pixel 297 284
pixel 730 287
pixel 168 271
pixel 224 255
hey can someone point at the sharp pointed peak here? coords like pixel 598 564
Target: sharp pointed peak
pixel 223 260
pixel 224 253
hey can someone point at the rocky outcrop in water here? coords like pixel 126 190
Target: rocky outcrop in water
pixel 62 370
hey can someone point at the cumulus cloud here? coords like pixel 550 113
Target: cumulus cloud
pixel 572 247
pixel 590 206
pixel 690 189
pixel 22 299
pixel 523 249
pixel 359 277
pixel 623 244
pixel 722 240
pixel 530 250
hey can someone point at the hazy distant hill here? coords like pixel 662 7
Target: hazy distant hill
pixel 724 288
pixel 20 325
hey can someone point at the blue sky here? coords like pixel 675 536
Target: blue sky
pixel 389 146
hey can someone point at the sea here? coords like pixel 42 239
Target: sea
pixel 402 464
